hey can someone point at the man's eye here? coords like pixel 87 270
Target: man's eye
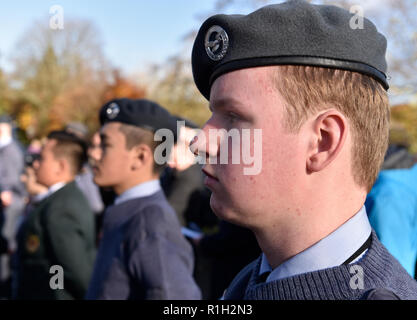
pixel 233 117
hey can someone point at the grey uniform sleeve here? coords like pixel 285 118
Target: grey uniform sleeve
pixel 90 190
pixel 12 167
pixel 162 265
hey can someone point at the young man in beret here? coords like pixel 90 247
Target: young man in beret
pixel 56 241
pixel 315 86
pixel 142 253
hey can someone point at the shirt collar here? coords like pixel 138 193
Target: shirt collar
pixel 52 189
pixel 329 252
pixel 39 197
pixel 139 191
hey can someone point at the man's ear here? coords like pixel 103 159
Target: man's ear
pixel 142 156
pixel 63 165
pixel 329 131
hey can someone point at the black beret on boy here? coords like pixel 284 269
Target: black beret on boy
pixel 141 113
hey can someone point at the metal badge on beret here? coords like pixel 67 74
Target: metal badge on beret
pixel 112 111
pixel 216 43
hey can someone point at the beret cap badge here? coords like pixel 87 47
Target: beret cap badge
pixel 112 111
pixel 216 43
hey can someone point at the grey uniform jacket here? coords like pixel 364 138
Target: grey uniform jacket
pixel 11 167
pixel 143 254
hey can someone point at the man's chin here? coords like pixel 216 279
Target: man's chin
pixel 99 182
pixel 222 211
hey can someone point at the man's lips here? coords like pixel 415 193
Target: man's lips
pixel 209 175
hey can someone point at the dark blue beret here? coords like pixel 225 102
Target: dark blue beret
pixel 291 33
pixel 141 113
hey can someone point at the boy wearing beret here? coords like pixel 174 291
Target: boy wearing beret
pixel 316 87
pixel 142 254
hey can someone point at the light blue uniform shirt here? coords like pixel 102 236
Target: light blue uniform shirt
pixel 139 191
pixel 329 252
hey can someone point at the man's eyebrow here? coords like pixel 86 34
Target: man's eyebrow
pixel 230 105
pixel 222 103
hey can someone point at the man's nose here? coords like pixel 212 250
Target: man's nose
pixel 96 153
pixel 202 146
pixel 35 164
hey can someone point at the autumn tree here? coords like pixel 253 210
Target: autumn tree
pixel 122 87
pixel 60 74
pixel 403 125
pixel 174 88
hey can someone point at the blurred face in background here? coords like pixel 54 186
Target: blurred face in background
pixel 31 184
pixel 181 157
pixel 94 151
pixel 112 165
pixel 48 169
pixel 5 130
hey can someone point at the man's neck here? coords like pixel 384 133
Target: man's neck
pixel 61 181
pixel 280 241
pixel 54 188
pixel 126 185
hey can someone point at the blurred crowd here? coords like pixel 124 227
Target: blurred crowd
pixel 59 207
pixel 35 187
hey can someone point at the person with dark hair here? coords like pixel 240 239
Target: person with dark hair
pixel 142 253
pixel 59 233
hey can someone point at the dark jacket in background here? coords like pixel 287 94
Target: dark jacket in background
pixel 230 249
pixel 60 231
pixel 179 186
pixel 220 254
